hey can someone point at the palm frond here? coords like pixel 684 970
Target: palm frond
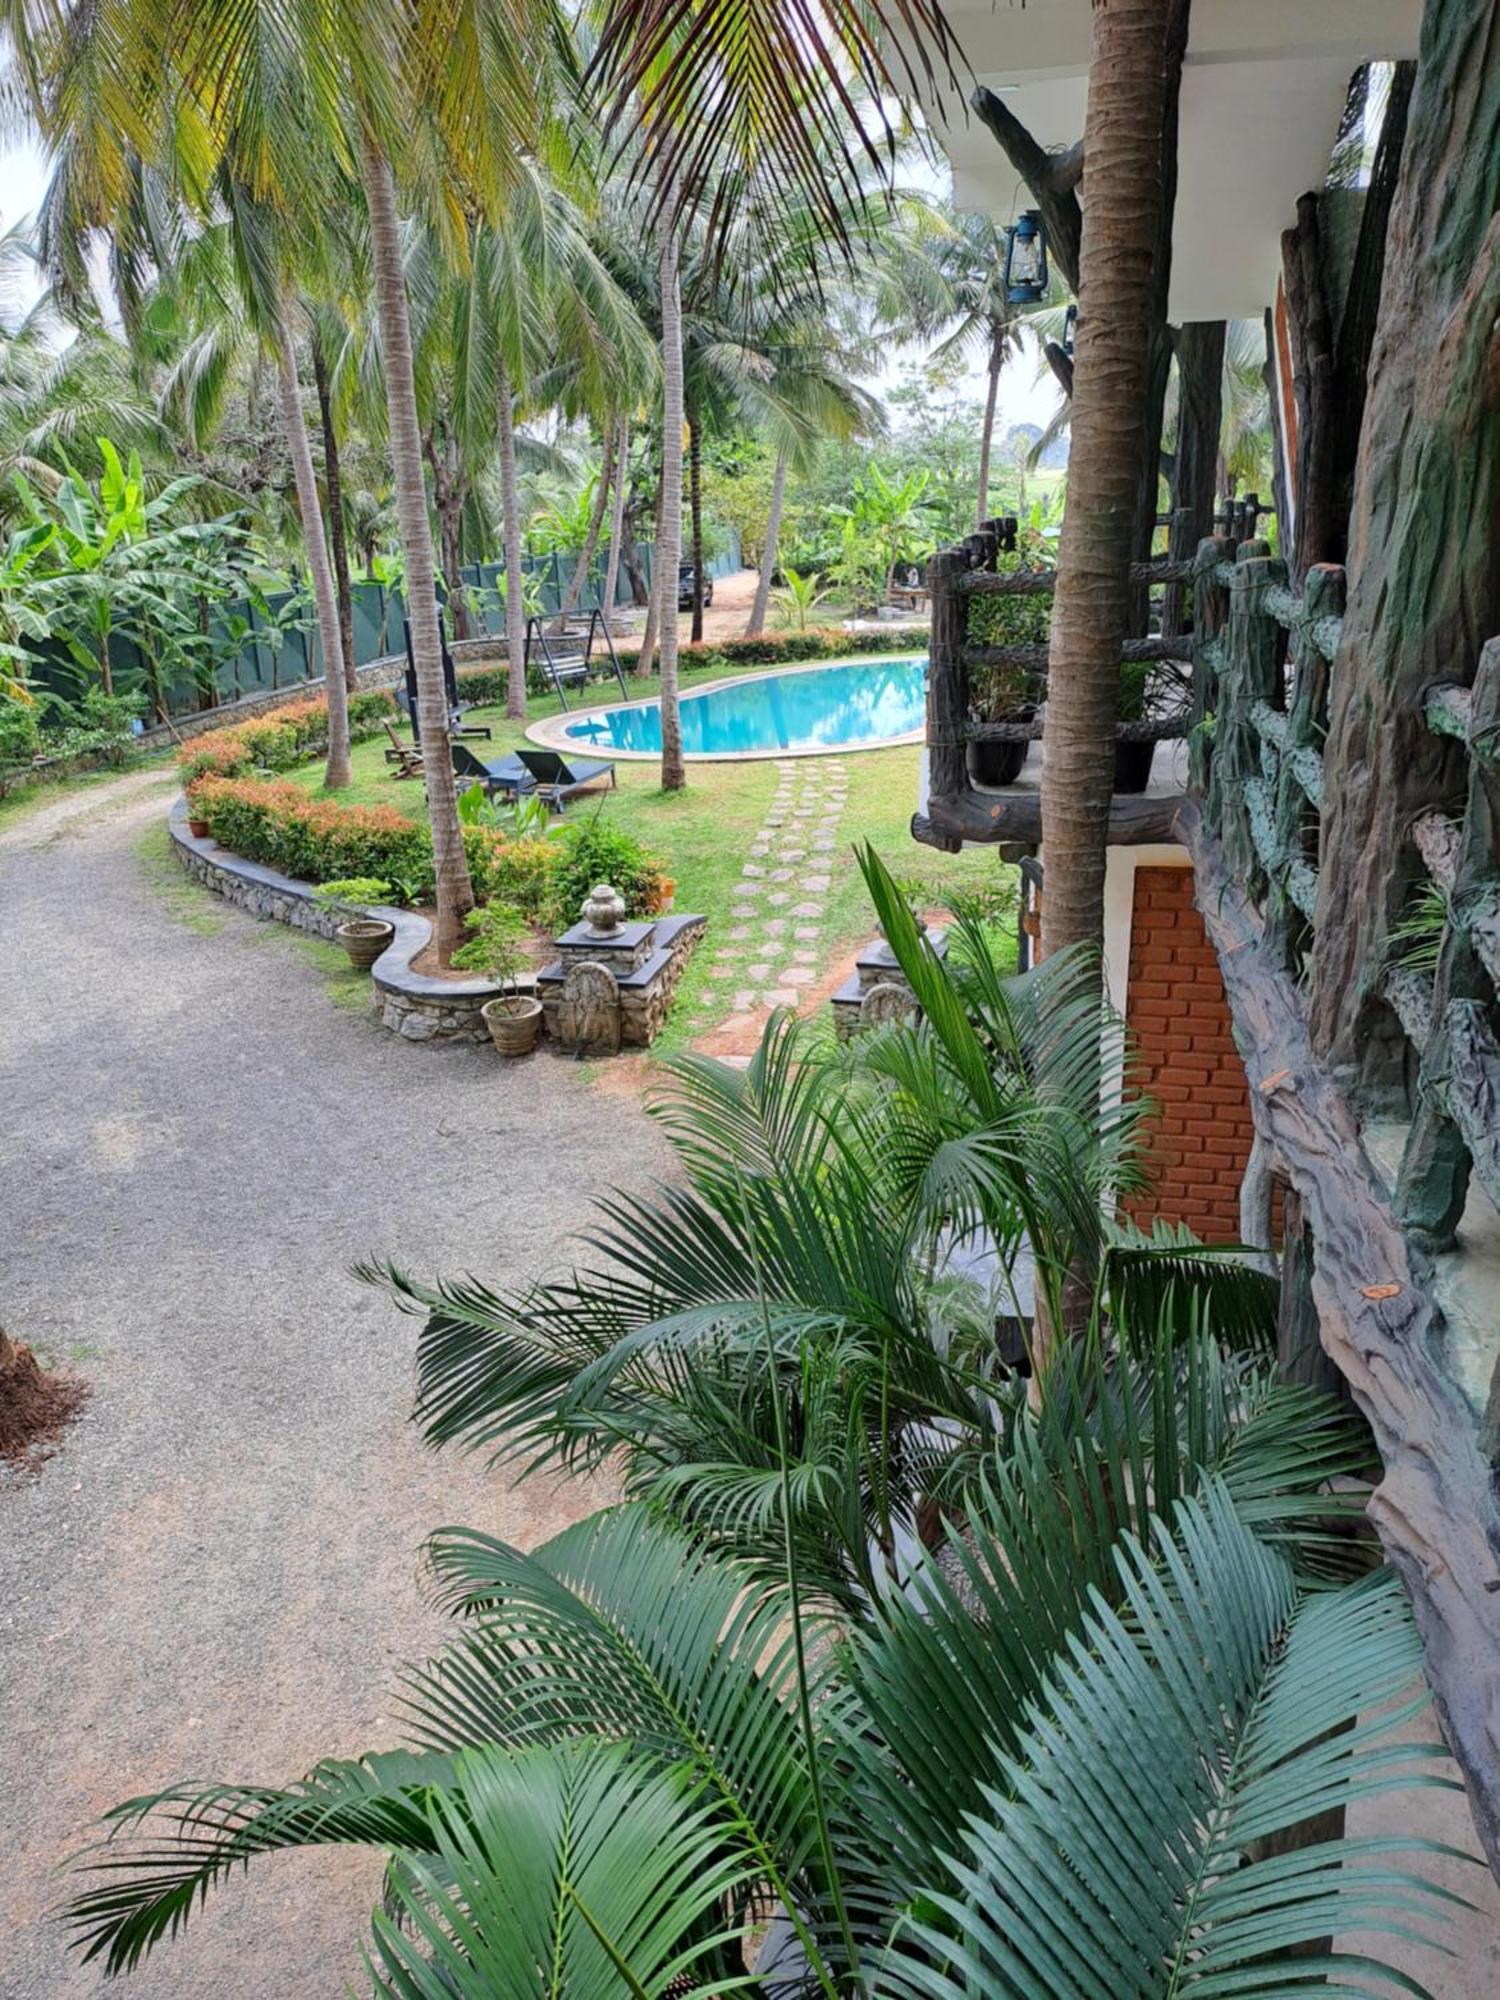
pixel 1171 1749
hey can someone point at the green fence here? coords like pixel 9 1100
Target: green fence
pixel 284 651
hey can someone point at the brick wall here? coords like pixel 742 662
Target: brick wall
pixel 1186 1060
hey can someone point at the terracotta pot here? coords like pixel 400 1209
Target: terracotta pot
pixel 364 940
pixel 198 828
pixel 514 1022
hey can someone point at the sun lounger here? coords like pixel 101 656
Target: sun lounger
pixel 558 779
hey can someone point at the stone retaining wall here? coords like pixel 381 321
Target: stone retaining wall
pixel 411 1004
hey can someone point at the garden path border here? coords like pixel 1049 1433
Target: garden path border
pixel 411 1004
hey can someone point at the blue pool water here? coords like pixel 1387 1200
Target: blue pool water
pixel 821 708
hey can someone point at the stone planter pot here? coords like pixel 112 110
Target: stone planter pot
pixel 198 828
pixel 364 940
pixel 514 1022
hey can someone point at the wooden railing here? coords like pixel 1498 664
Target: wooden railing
pixel 956 810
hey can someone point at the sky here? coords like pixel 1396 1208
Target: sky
pixel 1022 398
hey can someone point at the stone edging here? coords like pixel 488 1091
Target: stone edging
pixel 411 1004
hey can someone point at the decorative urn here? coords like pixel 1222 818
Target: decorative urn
pixel 604 910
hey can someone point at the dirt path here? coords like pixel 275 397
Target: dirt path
pixel 218 1575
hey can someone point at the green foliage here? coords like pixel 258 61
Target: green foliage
pixel 514 869
pixel 20 734
pixel 590 851
pixel 1058 1752
pixel 497 944
pixel 97 727
pixel 351 898
pixel 798 596
pixel 1416 938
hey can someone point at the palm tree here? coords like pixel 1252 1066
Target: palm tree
pixel 1122 163
pixel 943 280
pixel 669 515
pixel 773 1680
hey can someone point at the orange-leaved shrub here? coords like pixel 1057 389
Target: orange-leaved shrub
pixel 276 823
pixel 281 739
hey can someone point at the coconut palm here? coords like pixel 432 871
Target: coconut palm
pixel 943 281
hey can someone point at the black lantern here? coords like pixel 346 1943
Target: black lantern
pixel 1026 261
pixel 1070 330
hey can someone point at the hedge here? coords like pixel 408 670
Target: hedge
pixel 487 685
pixel 282 739
pixel 276 823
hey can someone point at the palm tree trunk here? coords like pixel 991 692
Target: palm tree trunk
pixel 646 657
pixel 617 522
pixel 333 487
pixel 762 603
pixel 669 543
pixel 455 891
pixel 596 522
pixel 695 501
pixel 515 568
pixel 1116 295
pixel 987 435
pixel 294 423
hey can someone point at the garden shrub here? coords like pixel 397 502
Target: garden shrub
pixel 505 869
pixel 593 851
pixel 279 825
pixel 20 738
pixel 281 739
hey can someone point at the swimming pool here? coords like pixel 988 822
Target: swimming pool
pixel 816 708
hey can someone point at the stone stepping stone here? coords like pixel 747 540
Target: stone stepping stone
pixel 780 996
pixel 744 910
pixel 807 932
pixel 796 975
pixel 742 931
pixel 752 869
pixel 794 853
pixel 818 884
pixel 806 955
pixel 774 926
pixel 782 875
pixel 807 909
pixel 823 841
pixel 777 897
pixel 759 973
pixel 743 1001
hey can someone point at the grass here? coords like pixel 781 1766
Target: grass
pixel 183 899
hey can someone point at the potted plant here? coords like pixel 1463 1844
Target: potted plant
pixel 1133 758
pixel 363 937
pixel 197 826
pixel 1004 693
pixel 497 949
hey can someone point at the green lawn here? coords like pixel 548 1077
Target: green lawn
pixel 703 833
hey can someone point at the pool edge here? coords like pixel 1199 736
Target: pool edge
pixel 551 732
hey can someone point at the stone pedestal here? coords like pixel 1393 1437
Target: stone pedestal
pixel 877 990
pixel 610 986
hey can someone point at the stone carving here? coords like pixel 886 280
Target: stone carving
pixel 886 1002
pixel 603 910
pixel 589 1021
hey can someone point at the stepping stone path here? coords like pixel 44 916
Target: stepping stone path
pixel 794 849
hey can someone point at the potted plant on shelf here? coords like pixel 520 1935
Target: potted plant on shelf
pixel 497 949
pixel 1004 693
pixel 1133 757
pixel 363 937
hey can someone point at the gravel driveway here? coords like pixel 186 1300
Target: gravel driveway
pixel 218 1576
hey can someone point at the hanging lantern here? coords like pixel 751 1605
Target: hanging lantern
pixel 1070 330
pixel 1026 261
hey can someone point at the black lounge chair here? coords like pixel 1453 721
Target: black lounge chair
pixel 506 776
pixel 557 780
